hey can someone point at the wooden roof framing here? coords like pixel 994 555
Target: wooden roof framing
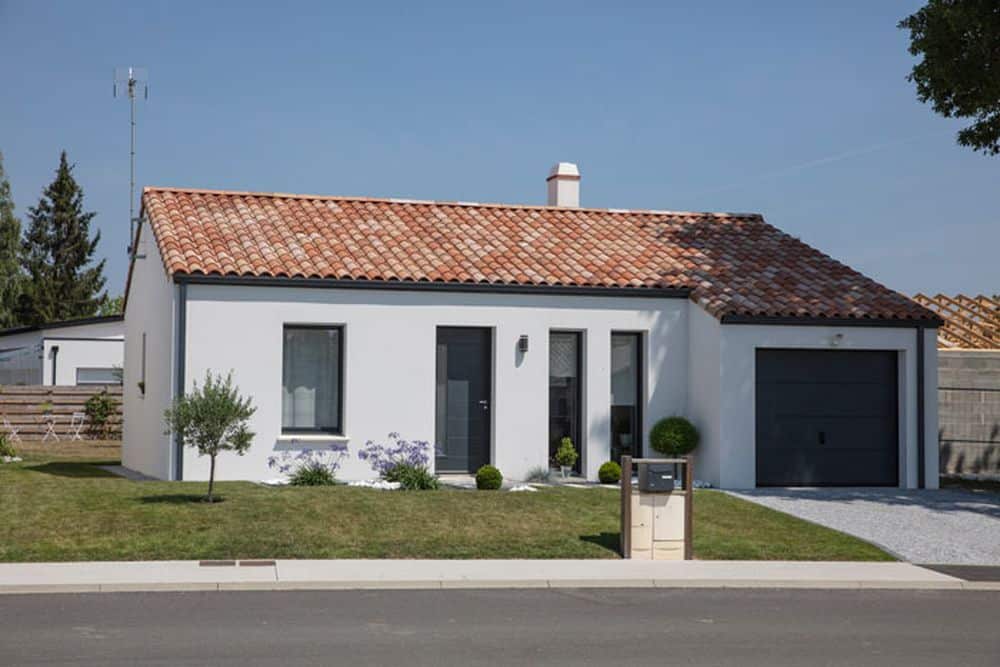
pixel 970 322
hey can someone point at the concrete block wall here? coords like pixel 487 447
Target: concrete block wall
pixel 969 411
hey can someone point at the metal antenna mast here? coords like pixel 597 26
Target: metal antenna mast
pixel 131 78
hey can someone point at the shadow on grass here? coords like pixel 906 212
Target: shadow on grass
pixel 72 469
pixel 180 499
pixel 609 541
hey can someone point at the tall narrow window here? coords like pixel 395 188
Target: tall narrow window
pixel 564 390
pixel 142 369
pixel 626 395
pixel 312 380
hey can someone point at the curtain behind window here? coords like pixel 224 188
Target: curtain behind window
pixel 311 379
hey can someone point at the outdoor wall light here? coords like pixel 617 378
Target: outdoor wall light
pixel 836 340
pixel 522 344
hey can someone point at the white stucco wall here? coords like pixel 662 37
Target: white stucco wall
pixel 727 418
pixel 390 342
pixel 704 392
pixel 694 367
pixel 150 310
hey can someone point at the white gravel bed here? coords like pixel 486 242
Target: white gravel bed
pixel 921 526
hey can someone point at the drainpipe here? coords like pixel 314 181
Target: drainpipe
pixel 179 373
pixel 921 425
pixel 55 355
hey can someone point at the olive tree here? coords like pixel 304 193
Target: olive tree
pixel 212 418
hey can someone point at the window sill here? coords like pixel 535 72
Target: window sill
pixel 312 437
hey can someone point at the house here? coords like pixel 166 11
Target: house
pixel 494 330
pixel 86 351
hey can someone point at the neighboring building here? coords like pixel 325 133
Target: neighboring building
pixel 493 330
pixel 968 382
pixel 74 352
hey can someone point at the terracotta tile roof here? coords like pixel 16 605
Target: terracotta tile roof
pixel 734 264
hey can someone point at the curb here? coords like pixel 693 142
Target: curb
pixel 481 584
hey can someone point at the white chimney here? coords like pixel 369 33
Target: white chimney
pixel 564 185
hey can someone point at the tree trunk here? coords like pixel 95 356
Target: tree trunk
pixel 211 478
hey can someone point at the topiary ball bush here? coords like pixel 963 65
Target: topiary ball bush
pixel 674 436
pixel 488 478
pixel 610 473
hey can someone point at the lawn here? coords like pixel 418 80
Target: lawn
pixel 61 507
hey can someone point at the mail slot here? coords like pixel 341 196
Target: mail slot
pixel 660 477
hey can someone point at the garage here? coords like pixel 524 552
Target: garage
pixel 827 418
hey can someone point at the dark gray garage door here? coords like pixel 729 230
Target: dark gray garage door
pixel 826 418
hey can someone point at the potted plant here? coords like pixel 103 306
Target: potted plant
pixel 45 407
pixel 566 456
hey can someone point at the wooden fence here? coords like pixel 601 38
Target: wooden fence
pixel 25 408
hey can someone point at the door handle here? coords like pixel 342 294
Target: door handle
pixel 822 437
pixel 485 405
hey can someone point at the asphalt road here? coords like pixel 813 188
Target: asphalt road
pixel 504 627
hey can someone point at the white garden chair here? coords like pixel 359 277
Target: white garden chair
pixel 50 428
pixel 76 425
pixel 11 430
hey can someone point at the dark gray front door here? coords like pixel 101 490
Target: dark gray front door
pixel 463 398
pixel 827 418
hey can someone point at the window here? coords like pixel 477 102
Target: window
pixel 312 380
pixel 98 376
pixel 142 371
pixel 564 390
pixel 626 395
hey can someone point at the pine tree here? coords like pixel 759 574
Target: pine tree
pixel 57 254
pixel 10 249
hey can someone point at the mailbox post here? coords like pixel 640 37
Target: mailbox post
pixel 656 513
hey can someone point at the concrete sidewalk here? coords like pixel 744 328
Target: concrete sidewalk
pixel 436 574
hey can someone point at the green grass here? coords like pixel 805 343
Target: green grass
pixel 62 510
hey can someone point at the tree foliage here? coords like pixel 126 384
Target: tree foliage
pixel 674 436
pixel 959 41
pixel 112 306
pixel 11 278
pixel 100 410
pixel 57 254
pixel 212 418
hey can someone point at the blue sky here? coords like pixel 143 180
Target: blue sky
pixel 796 111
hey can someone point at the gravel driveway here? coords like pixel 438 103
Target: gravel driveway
pixel 921 526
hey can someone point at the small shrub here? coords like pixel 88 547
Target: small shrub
pixel 488 478
pixel 383 458
pixel 310 467
pixel 610 473
pixel 674 436
pixel 403 461
pixel 6 449
pixel 540 474
pixel 566 455
pixel 100 408
pixel 313 473
pixel 411 477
